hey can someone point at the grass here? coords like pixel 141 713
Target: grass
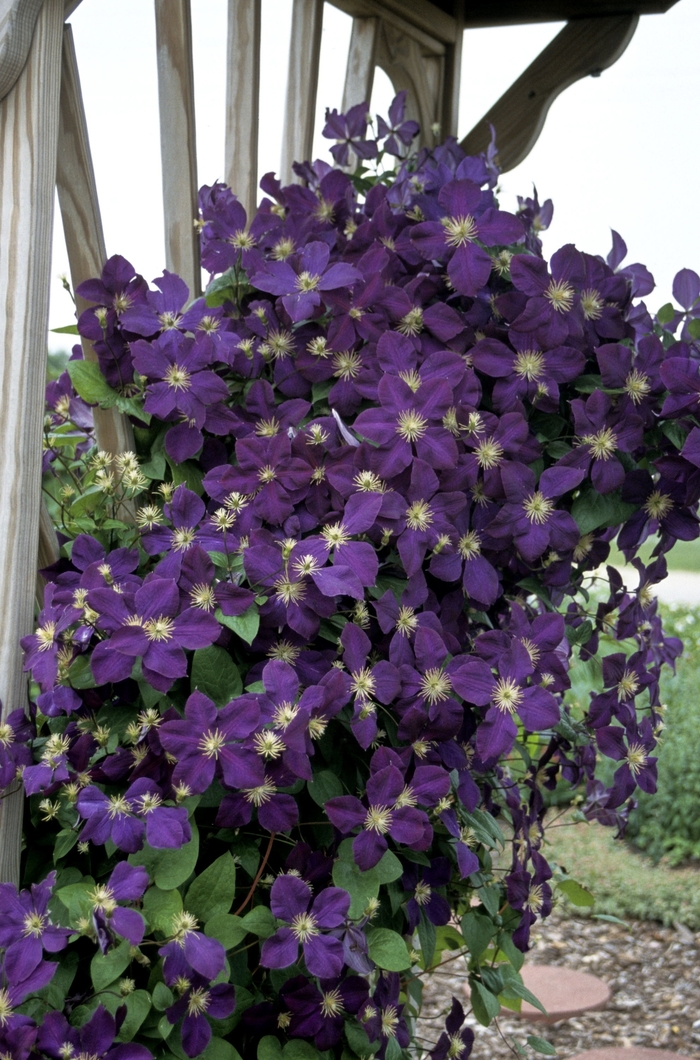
pixel 625 883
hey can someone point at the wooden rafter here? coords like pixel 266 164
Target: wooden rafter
pixel 583 48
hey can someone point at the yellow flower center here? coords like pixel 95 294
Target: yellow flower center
pixel 178 378
pixel 489 453
pixel 507 696
pixel 346 365
pixel 261 794
pixel 603 443
pixel 422 892
pixel 363 683
pixel 469 545
pixel 289 592
pixel 637 386
pixel 412 322
pixel 198 1002
pixel 592 304
pixel 45 635
pixel 529 364
pixel 307 281
pixel 419 516
pixel 628 685
pixel 182 538
pixel 268 744
pixel 332 1003
pixel 159 629
pixel 658 505
pixel 459 230
pixel 560 295
pixel 435 685
pixel 304 926
pixel 378 819
pixel 410 425
pixel 203 597
pixel 538 508
pixel 407 621
pixel 636 758
pixel 211 743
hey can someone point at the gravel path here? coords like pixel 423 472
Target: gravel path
pixel 653 972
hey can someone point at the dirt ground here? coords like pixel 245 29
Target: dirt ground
pixel 653 972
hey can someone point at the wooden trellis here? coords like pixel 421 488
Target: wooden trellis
pixel 44 144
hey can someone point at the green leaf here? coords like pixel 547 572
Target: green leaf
pixel 269 1048
pixel 478 930
pixel 213 891
pixel 694 328
pixel 592 510
pixel 540 1045
pixel 218 1049
pixel 228 929
pixel 138 1005
pixel 105 968
pixel 576 894
pixel 65 841
pixel 485 1005
pixel 298 1050
pixel 427 936
pixel 69 329
pixel 361 886
pixel 216 675
pixel 260 922
pixel 159 908
pixel 388 950
pixel 358 1040
pixel 75 898
pixel 324 786
pixel 388 868
pixel 187 472
pixel 162 997
pixel 245 626
pixel 89 382
pixel 169 868
pixel 515 987
pixel 666 314
pixel 80 673
pixel 491 898
pixel 610 919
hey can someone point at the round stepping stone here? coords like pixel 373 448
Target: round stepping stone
pixel 564 993
pixel 634 1052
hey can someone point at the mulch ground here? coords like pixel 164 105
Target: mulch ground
pixel 653 972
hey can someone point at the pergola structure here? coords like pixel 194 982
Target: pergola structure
pixel 44 145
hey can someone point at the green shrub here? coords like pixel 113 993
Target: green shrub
pixel 668 823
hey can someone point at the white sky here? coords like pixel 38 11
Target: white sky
pixel 619 151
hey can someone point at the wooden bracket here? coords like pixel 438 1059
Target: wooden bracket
pixel 584 47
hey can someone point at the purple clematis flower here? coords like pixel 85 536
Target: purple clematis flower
pixel 397 131
pixel 384 815
pixel 526 373
pixel 198 1001
pixel 459 232
pixel 16 734
pixel 95 1039
pixel 320 1013
pixel 350 131
pixel 382 1016
pixel 153 631
pixel 191 950
pixel 182 390
pixel 307 920
pixel 602 432
pixel 631 747
pixel 456 1040
pixel 207 742
pixel 126 884
pixel 300 285
pixel 26 930
pixel 505 696
pixel 530 517
pixel 422 882
pixel 41 647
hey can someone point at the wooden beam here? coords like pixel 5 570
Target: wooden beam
pixel 362 60
pixel 28 139
pixel 17 22
pixel 583 48
pixel 82 224
pixel 49 551
pixel 302 83
pixel 427 23
pixel 177 139
pixel 482 13
pixel 243 101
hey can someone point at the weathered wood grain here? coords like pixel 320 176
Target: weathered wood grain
pixel 584 47
pixel 302 83
pixel 49 551
pixel 82 224
pixel 242 101
pixel 452 74
pixel 177 139
pixel 17 21
pixel 362 60
pixel 401 18
pixel 29 117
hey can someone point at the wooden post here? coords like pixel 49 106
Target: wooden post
pixel 302 84
pixel 362 59
pixel 452 73
pixel 17 22
pixel 82 224
pixel 28 139
pixel 242 101
pixel 177 139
